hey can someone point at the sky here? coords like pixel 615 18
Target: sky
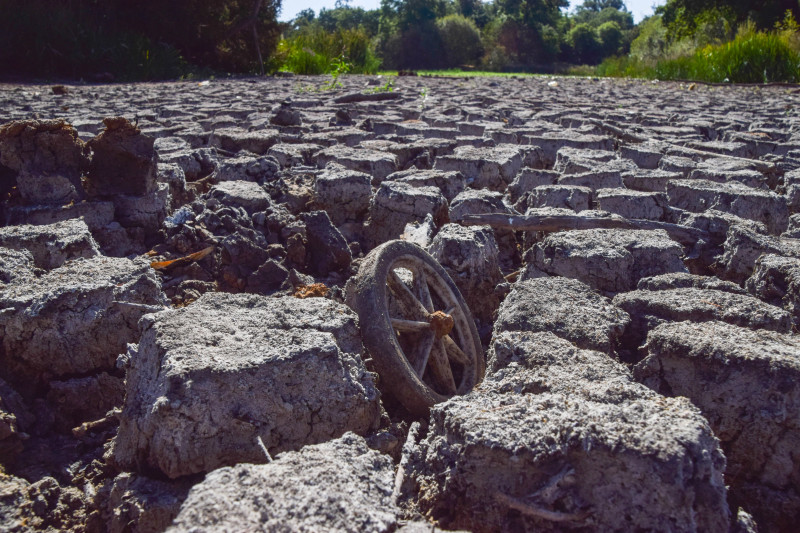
pixel 639 8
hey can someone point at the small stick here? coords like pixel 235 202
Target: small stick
pixel 530 510
pixel 413 432
pixel 263 448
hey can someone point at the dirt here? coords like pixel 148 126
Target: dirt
pixel 162 243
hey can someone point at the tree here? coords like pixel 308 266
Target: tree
pixel 682 17
pixel 583 40
pixel 610 35
pixel 461 40
pixel 599 5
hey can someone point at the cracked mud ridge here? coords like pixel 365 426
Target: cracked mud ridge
pixel 526 304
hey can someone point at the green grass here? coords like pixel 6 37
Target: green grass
pixel 316 51
pixel 752 57
pixel 458 73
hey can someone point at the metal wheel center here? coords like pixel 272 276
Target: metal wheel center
pixel 441 323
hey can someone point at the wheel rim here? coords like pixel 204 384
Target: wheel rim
pixel 430 328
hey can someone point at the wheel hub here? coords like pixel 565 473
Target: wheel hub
pixel 441 323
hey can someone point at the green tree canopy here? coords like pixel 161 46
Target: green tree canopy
pixel 682 17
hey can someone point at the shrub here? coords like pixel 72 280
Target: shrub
pixel 610 35
pixel 312 51
pixel 461 40
pixel 585 45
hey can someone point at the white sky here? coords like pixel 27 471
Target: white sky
pixel 290 8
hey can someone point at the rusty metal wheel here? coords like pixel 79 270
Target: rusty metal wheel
pixel 416 326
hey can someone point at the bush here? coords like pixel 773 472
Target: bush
pixel 312 51
pixel 461 40
pixel 610 35
pixel 585 45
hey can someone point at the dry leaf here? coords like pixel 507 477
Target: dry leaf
pixel 161 265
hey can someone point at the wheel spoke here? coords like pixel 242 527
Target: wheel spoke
pixel 440 368
pixel 423 354
pixel 409 325
pixel 424 292
pixel 454 352
pixel 405 298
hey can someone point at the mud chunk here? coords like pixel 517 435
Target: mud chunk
pixel 471 257
pixel 650 308
pixel 576 161
pixel 567 308
pixel 484 168
pixel 643 155
pixel 377 164
pixel 146 212
pixel 246 168
pixel 608 260
pixel 632 204
pixel 449 183
pixel 793 231
pixel 123 161
pixel 235 139
pixel 356 482
pixel 560 196
pixel 51 245
pixel 81 316
pixel 286 116
pixel 268 277
pixel 211 379
pixel 137 504
pixel 343 194
pixel 15 418
pixel 246 194
pixel 16 266
pixel 650 180
pixel 746 384
pixel 396 204
pixel 289 155
pixel 47 157
pixel 551 142
pixel 41 506
pixel 743 247
pixel 682 280
pixel 327 250
pixel 526 180
pixel 745 202
pixel 776 280
pixel 555 451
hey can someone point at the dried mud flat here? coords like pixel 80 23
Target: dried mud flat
pixel 177 351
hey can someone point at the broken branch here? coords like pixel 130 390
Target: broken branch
pixel 530 510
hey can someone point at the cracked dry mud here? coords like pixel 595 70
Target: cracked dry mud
pixel 160 371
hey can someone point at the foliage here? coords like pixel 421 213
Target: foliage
pixel 684 18
pixel 312 50
pixel 461 40
pixel 134 40
pixel 610 36
pixel 584 42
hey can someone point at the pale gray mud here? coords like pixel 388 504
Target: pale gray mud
pixel 168 361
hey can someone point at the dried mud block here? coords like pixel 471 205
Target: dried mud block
pixel 123 161
pixel 195 164
pixel 650 180
pixel 644 156
pixel 551 142
pixel 561 438
pixel 471 257
pixel 682 280
pixel 776 280
pixel 235 139
pixel 286 116
pixel 15 420
pixel 481 201
pixel 748 178
pixel 85 399
pixel 47 157
pixel 594 180
pixel 175 178
pixel 576 161
pixel 212 381
pixel 675 163
pixel 41 506
pixel 343 194
pixel 326 249
pixel 745 202
pixel 147 212
pixel 340 485
pixel 632 204
pixel 650 308
pixel 791 182
pixel 396 204
pixel 793 231
pixel 16 266
pixel 560 196
pixel 96 215
pixel 246 168
pixel 137 504
pixel 290 155
pixel 746 384
pixel 567 308
pixel 526 180
pixel 53 244
pixel 744 246
pixel 377 164
pixel 76 318
pixel 248 195
pixel 607 260
pixel 449 183
pixel 484 168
